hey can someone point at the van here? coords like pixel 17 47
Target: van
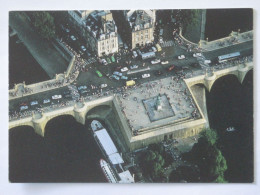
pixel 158 47
pixel 130 83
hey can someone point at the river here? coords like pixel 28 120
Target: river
pixel 67 153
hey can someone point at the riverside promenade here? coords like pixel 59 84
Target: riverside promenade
pixel 45 54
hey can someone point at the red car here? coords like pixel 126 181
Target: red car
pixel 171 68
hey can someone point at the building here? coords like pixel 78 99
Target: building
pixel 141 24
pixel 99 30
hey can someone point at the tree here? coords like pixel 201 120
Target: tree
pixel 208 157
pixel 44 23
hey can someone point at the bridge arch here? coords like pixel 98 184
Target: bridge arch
pixel 98 112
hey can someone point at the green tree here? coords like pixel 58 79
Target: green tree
pixel 208 157
pixel 44 23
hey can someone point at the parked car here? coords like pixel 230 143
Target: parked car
pixel 171 68
pixel 108 61
pixel 117 73
pixel 181 57
pixel 103 61
pixel 103 85
pixel 113 59
pixel 73 38
pixel 156 61
pixel 124 69
pixel 145 76
pixel 124 77
pixel 82 87
pixel 46 101
pixel 55 97
pixel 161 40
pixel 83 48
pixel 207 61
pixel 133 67
pixel 23 108
pixel 33 103
pixel 115 77
pixel 154 49
pixel 164 62
pixel 135 54
pixel 99 73
pixel 197 55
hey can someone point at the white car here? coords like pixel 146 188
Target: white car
pixel 34 103
pixel 154 49
pixel 103 85
pixel 46 101
pixel 145 76
pixel 164 62
pixel 82 87
pixel 181 57
pixel 55 97
pixel 73 38
pixel 161 40
pixel 23 108
pixel 124 69
pixel 115 77
pixel 207 61
pixel 103 61
pixel 83 48
pixel 135 54
pixel 156 61
pixel 133 67
pixel 197 55
pixel 117 73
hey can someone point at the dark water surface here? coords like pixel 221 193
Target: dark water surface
pixel 231 104
pixel 22 65
pixel 67 153
pixel 220 22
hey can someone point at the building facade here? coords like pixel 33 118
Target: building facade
pixel 142 23
pixel 99 29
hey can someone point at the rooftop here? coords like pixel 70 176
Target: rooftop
pixel 140 19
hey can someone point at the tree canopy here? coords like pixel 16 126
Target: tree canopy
pixel 44 23
pixel 208 157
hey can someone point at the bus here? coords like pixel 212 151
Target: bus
pixel 227 57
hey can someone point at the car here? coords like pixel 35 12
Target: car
pixel 158 72
pixel 56 97
pixel 154 49
pixel 124 77
pixel 67 30
pixel 46 101
pixel 73 38
pixel 23 104
pixel 124 69
pixel 103 85
pixel 197 55
pixel 145 76
pixel 171 68
pixel 135 54
pixel 133 67
pixel 115 77
pixel 125 46
pixel 108 60
pixel 113 59
pixel 207 61
pixel 165 62
pixel 99 73
pixel 161 40
pixel 103 61
pixel 83 48
pixel 139 52
pixel 83 91
pixel 181 57
pixel 117 73
pixel 33 103
pixel 82 87
pixel 23 108
pixel 156 61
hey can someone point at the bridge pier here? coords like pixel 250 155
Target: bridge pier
pixel 209 81
pixel 242 71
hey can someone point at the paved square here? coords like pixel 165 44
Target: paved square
pixel 158 114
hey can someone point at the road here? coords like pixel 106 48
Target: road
pixel 90 78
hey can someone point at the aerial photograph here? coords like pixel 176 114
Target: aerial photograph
pixel 131 96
